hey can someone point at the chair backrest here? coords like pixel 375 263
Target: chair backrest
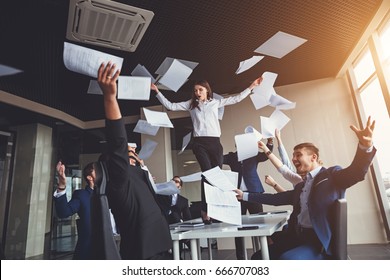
pixel 104 246
pixel 339 230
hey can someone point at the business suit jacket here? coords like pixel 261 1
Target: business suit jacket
pixel 177 212
pixel 247 169
pixel 80 204
pixel 144 230
pixel 329 185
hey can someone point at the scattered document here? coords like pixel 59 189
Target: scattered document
pixel 176 75
pixel 251 129
pixel 134 88
pixel 280 44
pixel 87 61
pixel 144 127
pixel 94 88
pixel 262 93
pixel 246 145
pixel 186 141
pixel 147 149
pixel 163 68
pixel 221 110
pixel 216 177
pixel 157 118
pixel 7 70
pixel 225 213
pixel 141 71
pixel 280 102
pixel 249 63
pixel 192 177
pixel 218 197
pixel 168 188
pixel 277 120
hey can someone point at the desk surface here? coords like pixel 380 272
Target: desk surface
pixel 267 224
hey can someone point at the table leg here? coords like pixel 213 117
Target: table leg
pixel 209 249
pixel 264 247
pixel 194 249
pixel 176 251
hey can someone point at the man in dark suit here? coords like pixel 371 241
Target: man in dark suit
pixel 144 230
pixel 175 206
pixel 248 181
pixel 80 204
pixel 309 233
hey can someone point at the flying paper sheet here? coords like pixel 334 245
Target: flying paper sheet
pixel 280 44
pixel 251 129
pixel 218 197
pixel 7 70
pixel 246 145
pixel 192 177
pixel 168 188
pixel 144 127
pixel 147 149
pixel 134 88
pixel 217 178
pixel 94 88
pixel 186 140
pixel 249 63
pixel 276 120
pixel 176 75
pixel 280 102
pixel 262 93
pixel 157 118
pixel 163 68
pixel 87 61
pixel 141 71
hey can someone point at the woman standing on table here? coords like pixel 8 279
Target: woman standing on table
pixel 203 109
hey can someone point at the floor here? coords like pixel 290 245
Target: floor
pixel 355 252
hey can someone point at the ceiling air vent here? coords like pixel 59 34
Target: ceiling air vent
pixel 107 23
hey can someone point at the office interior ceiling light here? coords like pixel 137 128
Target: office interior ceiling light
pixel 107 23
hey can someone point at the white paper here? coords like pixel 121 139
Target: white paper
pixel 232 176
pixel 246 145
pixel 249 63
pixel 186 141
pixel 280 102
pixel 94 88
pixel 192 177
pixel 147 149
pixel 167 188
pixel 144 127
pixel 226 214
pixel 221 110
pixel 7 70
pixel 280 44
pixel 134 88
pixel 141 71
pixel 176 75
pixel 251 129
pixel 157 118
pixel 276 120
pixel 163 68
pixel 216 177
pixel 87 61
pixel 218 197
pixel 262 93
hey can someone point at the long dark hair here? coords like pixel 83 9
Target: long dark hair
pixel 194 99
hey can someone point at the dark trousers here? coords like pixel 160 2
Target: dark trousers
pixel 209 154
pixel 252 208
pixel 289 245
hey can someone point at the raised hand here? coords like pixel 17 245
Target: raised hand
pixel 365 135
pixel 107 76
pixel 61 175
pixel 256 83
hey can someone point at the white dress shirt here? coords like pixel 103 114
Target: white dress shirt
pixel 205 120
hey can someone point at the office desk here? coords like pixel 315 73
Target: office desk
pixel 268 224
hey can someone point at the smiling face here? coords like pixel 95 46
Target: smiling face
pixel 304 160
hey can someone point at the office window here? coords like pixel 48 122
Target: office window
pixel 364 68
pixel 384 37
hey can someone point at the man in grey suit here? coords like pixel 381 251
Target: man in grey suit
pixel 309 233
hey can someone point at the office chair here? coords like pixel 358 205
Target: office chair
pixel 339 230
pixel 103 242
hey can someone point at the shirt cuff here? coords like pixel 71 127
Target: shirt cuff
pixel 245 196
pixel 366 149
pixel 59 193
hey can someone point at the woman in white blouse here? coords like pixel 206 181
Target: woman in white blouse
pixel 203 109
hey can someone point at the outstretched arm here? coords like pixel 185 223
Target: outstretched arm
pixel 107 77
pixel 282 151
pixel 365 135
